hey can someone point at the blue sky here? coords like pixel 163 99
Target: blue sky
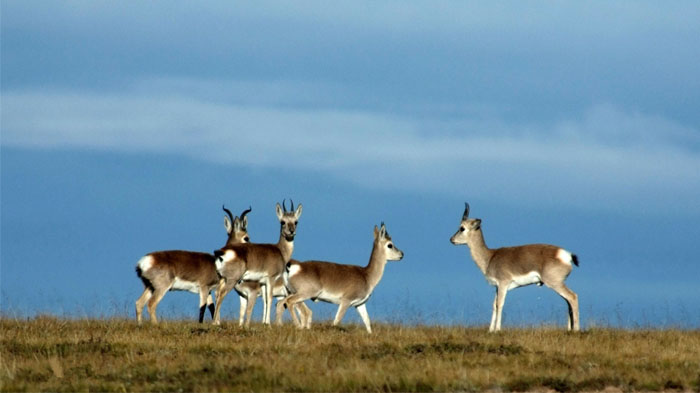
pixel 126 126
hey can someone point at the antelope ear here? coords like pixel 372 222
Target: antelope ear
pixel 382 232
pixel 278 210
pixel 297 213
pixel 476 224
pixel 376 231
pixel 227 225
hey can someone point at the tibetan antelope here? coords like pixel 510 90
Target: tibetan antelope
pixel 262 263
pixel 344 285
pixel 164 271
pixel 511 267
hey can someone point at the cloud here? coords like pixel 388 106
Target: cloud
pixel 606 158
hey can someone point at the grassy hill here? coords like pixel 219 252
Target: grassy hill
pixel 51 354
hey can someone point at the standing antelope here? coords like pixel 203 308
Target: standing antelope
pixel 262 263
pixel 164 271
pixel 344 285
pixel 512 267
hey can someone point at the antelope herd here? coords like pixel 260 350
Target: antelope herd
pixel 268 270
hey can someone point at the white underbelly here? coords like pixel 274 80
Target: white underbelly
pixel 527 279
pixel 253 276
pixel 329 297
pixel 183 285
pixel 280 292
pixel 361 301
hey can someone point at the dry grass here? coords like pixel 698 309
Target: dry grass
pixel 50 354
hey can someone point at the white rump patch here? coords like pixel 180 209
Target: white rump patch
pixel 145 263
pixel 294 269
pixel 182 285
pixel 228 256
pixel 527 279
pixel 564 256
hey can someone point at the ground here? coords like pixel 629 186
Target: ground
pixel 52 354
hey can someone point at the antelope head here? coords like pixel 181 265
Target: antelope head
pixel 382 241
pixel 288 220
pixel 466 227
pixel 236 227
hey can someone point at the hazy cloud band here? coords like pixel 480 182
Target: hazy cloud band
pixel 607 157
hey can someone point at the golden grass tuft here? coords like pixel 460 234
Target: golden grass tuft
pixel 52 354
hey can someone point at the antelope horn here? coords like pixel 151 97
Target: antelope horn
pixel 284 208
pixel 291 204
pixel 466 211
pixel 228 212
pixel 382 226
pixel 246 212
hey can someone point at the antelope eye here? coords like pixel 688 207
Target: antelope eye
pixel 390 245
pixel 282 223
pixel 296 222
pixel 247 239
pixel 461 229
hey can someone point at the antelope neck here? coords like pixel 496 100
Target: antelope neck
pixel 286 247
pixel 375 268
pixel 480 252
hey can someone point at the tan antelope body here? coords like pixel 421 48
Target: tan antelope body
pixel 511 267
pixel 344 285
pixel 262 263
pixel 178 270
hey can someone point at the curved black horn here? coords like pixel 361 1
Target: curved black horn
pixel 228 212
pixel 248 210
pixel 284 208
pixel 291 204
pixel 466 211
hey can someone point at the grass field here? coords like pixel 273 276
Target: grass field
pixel 51 354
